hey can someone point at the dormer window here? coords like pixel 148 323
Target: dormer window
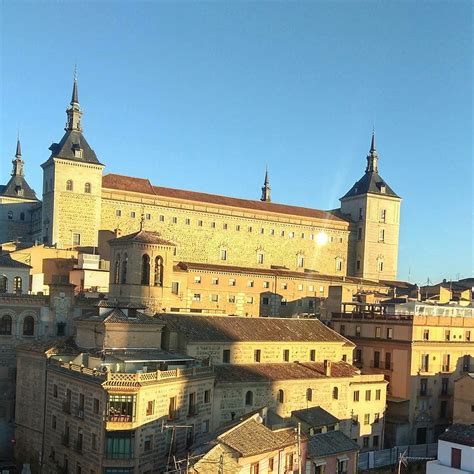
pixel 19 190
pixel 77 150
pixel 383 187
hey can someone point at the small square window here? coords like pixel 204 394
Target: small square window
pixel 196 297
pixel 249 300
pixel 175 220
pixel 197 279
pixel 231 299
pixel 118 212
pixel 262 231
pixel 250 283
pixel 133 214
pixel 291 235
pixel 284 286
pixel 162 218
pixel 187 221
pixel 200 223
pixel 224 226
pixel 213 225
pixel 215 281
pixel 148 217
pixel 266 284
pixel 214 298
pixel 237 228
pixel 249 228
pixel 76 239
pixel 232 282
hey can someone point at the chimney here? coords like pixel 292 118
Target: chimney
pixel 327 368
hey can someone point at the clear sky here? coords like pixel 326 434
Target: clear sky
pixel 203 95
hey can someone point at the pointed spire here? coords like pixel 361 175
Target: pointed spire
pixel 18 147
pixel 266 188
pixel 372 157
pixel 75 95
pixel 18 161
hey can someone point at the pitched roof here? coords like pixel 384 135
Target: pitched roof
pixel 315 416
pixel 65 148
pixel 332 442
pixel 233 328
pixel 281 371
pixel 370 183
pixel 281 272
pixel 7 261
pixel 18 187
pixel 142 237
pixel 460 434
pixel 139 185
pixel 251 438
pixel 116 315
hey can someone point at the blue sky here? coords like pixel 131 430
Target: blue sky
pixel 203 95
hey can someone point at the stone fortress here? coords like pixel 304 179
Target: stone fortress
pixel 83 209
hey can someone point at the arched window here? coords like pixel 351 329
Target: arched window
pixel 309 395
pixel 29 326
pixel 335 393
pixel 87 188
pixel 123 278
pixel 281 396
pixel 69 185
pixel 159 271
pixel 6 325
pixel 145 270
pixel 17 284
pixel 3 284
pixel 117 269
pixel 249 398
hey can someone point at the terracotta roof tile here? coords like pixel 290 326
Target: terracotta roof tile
pixel 332 442
pixel 139 185
pixel 233 328
pixel 143 237
pixel 281 371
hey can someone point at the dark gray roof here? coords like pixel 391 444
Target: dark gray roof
pixel 116 315
pixel 142 237
pixel 65 148
pixel 117 304
pixel 370 183
pixel 7 261
pixel 233 328
pixel 332 442
pixel 315 417
pixel 460 434
pixel 18 187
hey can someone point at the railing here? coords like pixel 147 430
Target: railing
pixel 372 315
pixel 119 418
pixel 390 457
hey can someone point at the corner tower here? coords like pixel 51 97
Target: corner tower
pixel 72 186
pixel 374 209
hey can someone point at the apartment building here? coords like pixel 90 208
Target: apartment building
pixel 421 349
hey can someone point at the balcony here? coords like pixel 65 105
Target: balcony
pixel 425 393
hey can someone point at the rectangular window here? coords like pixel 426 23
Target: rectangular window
pixel 231 282
pixel 358 265
pixel 150 407
pixel 291 235
pixel 172 409
pixel 262 231
pixel 76 239
pixel 224 226
pixel 260 258
pixel 213 225
pixel 467 335
pixel 265 300
pixel 311 288
pixel 365 441
pixel 382 235
pixel 376 359
pixel 466 363
pixel 312 355
pixel 53 422
pixel 192 404
pixel 376 417
pixel 300 261
pixel 250 283
pixel 286 355
pixel 383 215
pixel 300 287
pixel 257 355
pixel 162 218
pixel 378 394
pixel 446 359
pixel 237 228
pixel 426 334
pixel 447 335
pixel 249 228
pixel 197 279
pixel 215 281
pixel 359 233
pixel 423 387
pixel 284 286
pixel 205 426
pixel 187 221
pixel 133 215
pixel 231 299
pixel 148 443
pixel 425 362
pixel 223 254
pixel 148 217
pixel 389 333
pixel 358 355
pixel 175 287
pixel 196 297
pixel 342 329
pixel 444 386
pixel 226 356
pixel 249 299
pixel 356 396
pixel 119 445
pixel 266 284
pixel 175 220
pixel 368 395
pixel 282 233
pixel 375 441
pixel 94 442
pixel 118 212
pixel 378 331
pixel 388 361
pixel 200 223
pixel 214 298
pixel 55 391
pixel 357 331
pixel 207 396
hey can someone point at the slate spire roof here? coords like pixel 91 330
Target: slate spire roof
pixel 17 185
pixel 266 188
pixel 73 145
pixel 371 182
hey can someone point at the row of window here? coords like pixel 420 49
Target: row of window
pixel 251 284
pixel 17 284
pixel 382 214
pixel 70 186
pixel 238 227
pixel 448 336
pixel 121 268
pixel 368 395
pixel 367 421
pixel 380 264
pixel 257 355
pixel 6 325
pixel 377 331
pixel 381 234
pixel 10 216
pixel 446 363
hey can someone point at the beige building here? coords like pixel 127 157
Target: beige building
pixel 421 349
pixel 81 208
pixel 463 404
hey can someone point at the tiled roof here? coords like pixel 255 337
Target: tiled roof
pixel 7 261
pixel 332 442
pixel 313 275
pixel 315 416
pixel 281 371
pixel 233 328
pixel 370 183
pixel 115 304
pixel 138 185
pixel 116 315
pixel 65 148
pixel 63 345
pixel 143 237
pixel 251 438
pixel 460 434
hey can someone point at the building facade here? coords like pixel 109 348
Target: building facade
pixel 81 208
